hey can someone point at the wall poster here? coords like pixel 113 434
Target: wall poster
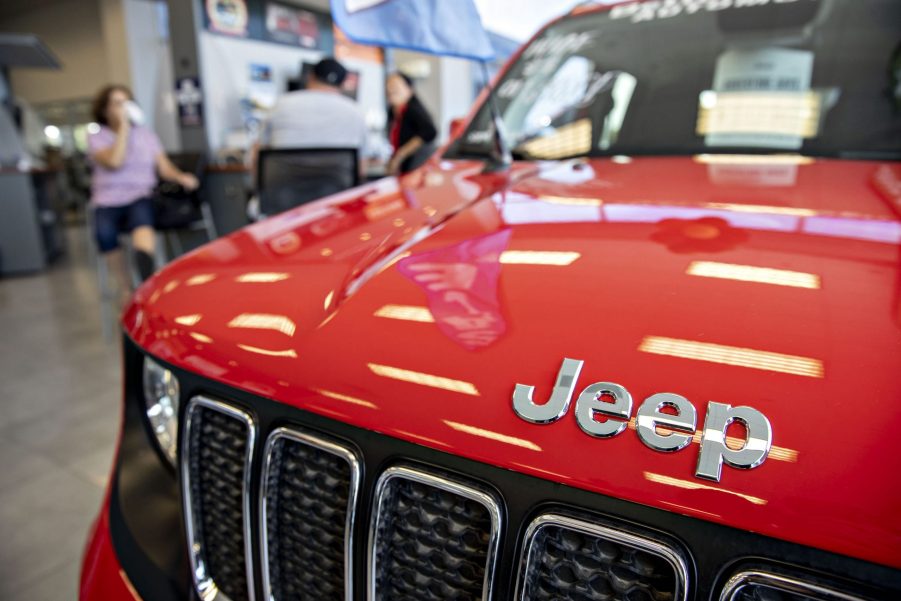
pixel 271 22
pixel 230 17
pixel 292 25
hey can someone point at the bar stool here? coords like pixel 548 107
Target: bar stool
pixel 108 297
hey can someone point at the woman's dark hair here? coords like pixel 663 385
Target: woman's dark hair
pixel 406 78
pixel 101 100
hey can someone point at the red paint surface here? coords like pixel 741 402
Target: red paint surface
pixel 102 577
pixel 460 283
pixel 636 226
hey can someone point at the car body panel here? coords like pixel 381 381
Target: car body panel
pixel 102 577
pixel 491 280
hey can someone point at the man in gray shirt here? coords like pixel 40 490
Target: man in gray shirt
pixel 319 116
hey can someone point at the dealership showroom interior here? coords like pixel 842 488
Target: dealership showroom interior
pixel 450 300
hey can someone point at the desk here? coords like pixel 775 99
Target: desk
pixel 30 235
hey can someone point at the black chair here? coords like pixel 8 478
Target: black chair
pixel 290 177
pixel 177 209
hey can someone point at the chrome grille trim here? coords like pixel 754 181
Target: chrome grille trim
pixel 649 545
pixel 781 583
pixel 204 584
pixel 356 474
pixel 443 483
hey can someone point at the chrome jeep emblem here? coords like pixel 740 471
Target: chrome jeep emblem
pixel 678 427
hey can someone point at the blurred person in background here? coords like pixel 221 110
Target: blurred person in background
pixel 127 158
pixel 410 127
pixel 319 116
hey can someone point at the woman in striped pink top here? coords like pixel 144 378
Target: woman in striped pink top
pixel 127 159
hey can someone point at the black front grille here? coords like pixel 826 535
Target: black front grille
pixel 765 593
pixel 433 537
pixel 766 585
pixel 308 499
pixel 566 561
pixel 217 452
pixel 158 571
pixel 431 543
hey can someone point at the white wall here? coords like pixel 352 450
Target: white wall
pixel 150 62
pixel 371 95
pixel 225 75
pixel 519 19
pixel 456 92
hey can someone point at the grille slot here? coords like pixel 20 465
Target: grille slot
pixel 308 499
pixel 218 444
pixel 572 559
pixel 431 538
pixel 760 585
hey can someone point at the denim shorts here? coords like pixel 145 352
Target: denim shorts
pixel 109 222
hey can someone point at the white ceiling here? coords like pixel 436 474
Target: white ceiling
pixel 519 19
pixel 515 19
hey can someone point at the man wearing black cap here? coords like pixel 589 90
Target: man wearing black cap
pixel 319 116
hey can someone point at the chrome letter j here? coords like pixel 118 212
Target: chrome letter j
pixel 556 407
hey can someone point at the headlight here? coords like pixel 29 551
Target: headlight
pixel 161 398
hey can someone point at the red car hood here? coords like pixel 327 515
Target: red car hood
pixel 412 308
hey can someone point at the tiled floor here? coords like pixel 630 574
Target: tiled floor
pixel 59 414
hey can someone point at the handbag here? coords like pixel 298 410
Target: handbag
pixel 174 207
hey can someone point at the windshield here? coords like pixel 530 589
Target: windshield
pixel 819 77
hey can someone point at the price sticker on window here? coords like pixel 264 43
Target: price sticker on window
pixel 760 98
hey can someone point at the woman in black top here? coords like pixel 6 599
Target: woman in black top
pixel 410 126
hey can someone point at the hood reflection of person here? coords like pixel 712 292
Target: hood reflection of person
pixel 410 127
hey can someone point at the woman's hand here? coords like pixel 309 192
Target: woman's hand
pixel 123 123
pixel 393 166
pixel 405 151
pixel 169 172
pixel 114 156
pixel 188 181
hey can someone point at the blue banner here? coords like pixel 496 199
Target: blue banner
pixel 431 26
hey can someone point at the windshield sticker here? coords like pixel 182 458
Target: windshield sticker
pixel 543 58
pixel 558 45
pixel 564 90
pixel 664 9
pixel 760 98
pixel 755 176
pixel 510 88
pixel 480 136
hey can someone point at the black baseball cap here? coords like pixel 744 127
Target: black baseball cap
pixel 330 71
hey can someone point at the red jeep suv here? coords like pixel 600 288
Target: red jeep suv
pixel 634 334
